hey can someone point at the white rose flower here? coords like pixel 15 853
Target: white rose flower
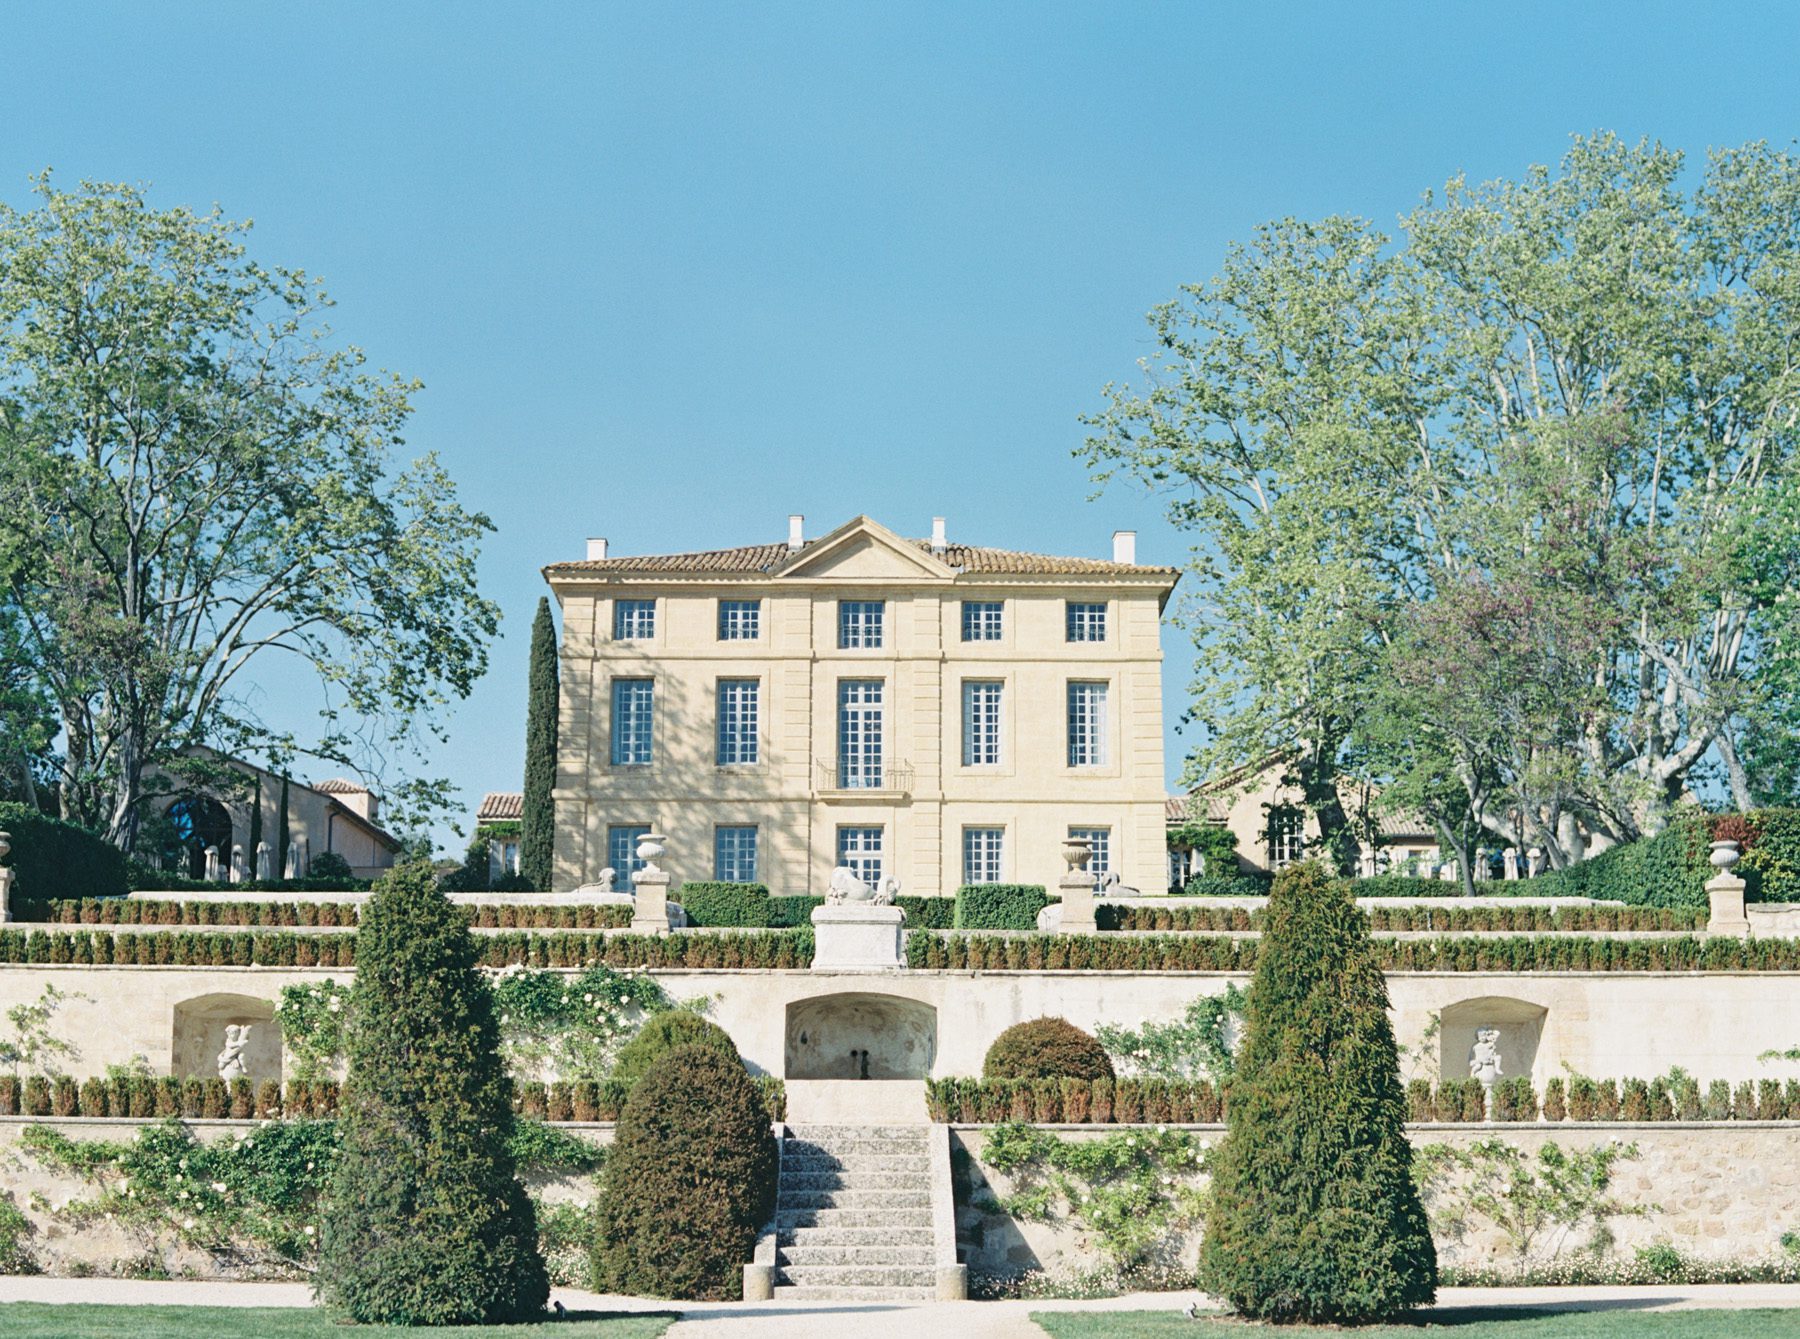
pixel 219 1186
pixel 187 1224
pixel 309 1229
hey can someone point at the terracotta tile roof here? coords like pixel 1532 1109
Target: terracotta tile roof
pixel 767 557
pixel 1187 808
pixel 499 806
pixel 339 785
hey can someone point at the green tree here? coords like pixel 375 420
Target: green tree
pixel 1552 430
pixel 538 830
pixel 689 1182
pixel 256 828
pixel 282 837
pixel 426 1222
pixel 1314 1214
pixel 196 477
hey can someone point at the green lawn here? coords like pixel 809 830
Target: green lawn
pixel 35 1320
pixel 1457 1324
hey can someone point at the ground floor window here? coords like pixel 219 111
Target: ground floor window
pixel 621 852
pixel 859 851
pixel 1181 869
pixel 1099 842
pixel 734 853
pixel 982 851
pixel 1287 837
pixel 503 856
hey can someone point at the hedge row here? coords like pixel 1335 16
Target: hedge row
pixel 1584 1099
pixel 49 855
pixel 1202 953
pixel 999 906
pixel 143 1096
pixel 750 906
pixel 587 1100
pixel 604 916
pixel 747 949
pixel 1446 920
pixel 121 911
pixel 1073 1101
pixel 142 878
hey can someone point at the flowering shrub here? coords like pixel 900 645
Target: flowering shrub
pixel 572 1027
pixel 311 1017
pixel 1199 1045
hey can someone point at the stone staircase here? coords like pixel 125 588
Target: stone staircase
pixel 853 1217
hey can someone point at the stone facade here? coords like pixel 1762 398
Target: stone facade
pixel 796 793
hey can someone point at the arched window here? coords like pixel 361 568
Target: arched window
pixel 195 823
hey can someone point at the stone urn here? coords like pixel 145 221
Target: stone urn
pixel 1724 856
pixel 1077 851
pixel 650 847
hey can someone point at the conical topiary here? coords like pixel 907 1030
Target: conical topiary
pixel 1314 1214
pixel 537 830
pixel 689 1182
pixel 425 1222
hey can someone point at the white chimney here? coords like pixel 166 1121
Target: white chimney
pixel 1125 547
pixel 796 533
pixel 596 550
pixel 938 542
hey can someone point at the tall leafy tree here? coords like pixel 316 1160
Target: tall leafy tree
pixel 196 477
pixel 538 830
pixel 426 1221
pixel 1561 405
pixel 282 834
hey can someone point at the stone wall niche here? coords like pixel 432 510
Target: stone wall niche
pixel 1519 1022
pixel 856 1035
pixel 200 1025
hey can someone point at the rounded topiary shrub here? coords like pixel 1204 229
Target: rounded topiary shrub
pixel 1046 1048
pixel 662 1033
pixel 689 1181
pixel 1314 1215
pixel 425 1221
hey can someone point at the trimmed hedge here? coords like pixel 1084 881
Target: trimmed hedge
pixel 51 858
pixel 662 1033
pixel 1046 1048
pixel 1505 917
pixel 999 906
pixel 120 911
pixel 751 905
pixel 1103 1101
pixel 1248 884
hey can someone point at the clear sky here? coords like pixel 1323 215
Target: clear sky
pixel 670 272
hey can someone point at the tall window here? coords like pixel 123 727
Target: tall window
pixel 859 734
pixel 981 620
pixel 1181 869
pixel 1087 724
pixel 981 722
pixel 1086 622
pixel 982 849
pixel 859 851
pixel 738 721
pixel 621 853
pixel 740 620
pixel 633 710
pixel 859 624
pixel 734 853
pixel 1099 842
pixel 634 620
pixel 1287 838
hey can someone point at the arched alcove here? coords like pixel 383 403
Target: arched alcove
pixel 195 823
pixel 857 1035
pixel 1520 1024
pixel 199 1037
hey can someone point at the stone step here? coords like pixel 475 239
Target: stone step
pixel 788 1292
pixel 885 1235
pixel 882 1253
pixel 835 1180
pixel 857 1276
pixel 788 1218
pixel 853 1199
pixel 870 1164
pixel 853 1148
pixel 832 1136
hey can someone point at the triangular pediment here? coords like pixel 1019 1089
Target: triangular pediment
pixel 863 550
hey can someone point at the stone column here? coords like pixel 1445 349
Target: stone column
pixel 1077 888
pixel 237 864
pixel 650 888
pixel 1725 894
pixel 6 879
pixel 212 864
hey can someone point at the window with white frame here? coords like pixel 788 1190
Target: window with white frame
pixel 1087 723
pixel 634 620
pixel 982 620
pixel 859 851
pixel 734 853
pixel 621 853
pixel 859 624
pixel 1099 842
pixel 740 620
pixel 1287 837
pixel 981 722
pixel 1086 622
pixel 633 717
pixel 1181 869
pixel 983 849
pixel 859 734
pixel 738 722
pixel 503 856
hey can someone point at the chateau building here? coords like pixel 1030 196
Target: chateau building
pixel 933 712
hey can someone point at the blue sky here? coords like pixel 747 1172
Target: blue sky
pixel 670 271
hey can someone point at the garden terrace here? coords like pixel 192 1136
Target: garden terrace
pixel 310 914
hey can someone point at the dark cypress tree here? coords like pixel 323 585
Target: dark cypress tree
pixel 425 1222
pixel 255 838
pixel 538 831
pixel 1314 1213
pixel 281 834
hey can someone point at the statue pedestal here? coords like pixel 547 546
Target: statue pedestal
pixel 1725 897
pixel 858 937
pixel 1077 889
pixel 650 902
pixel 6 878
